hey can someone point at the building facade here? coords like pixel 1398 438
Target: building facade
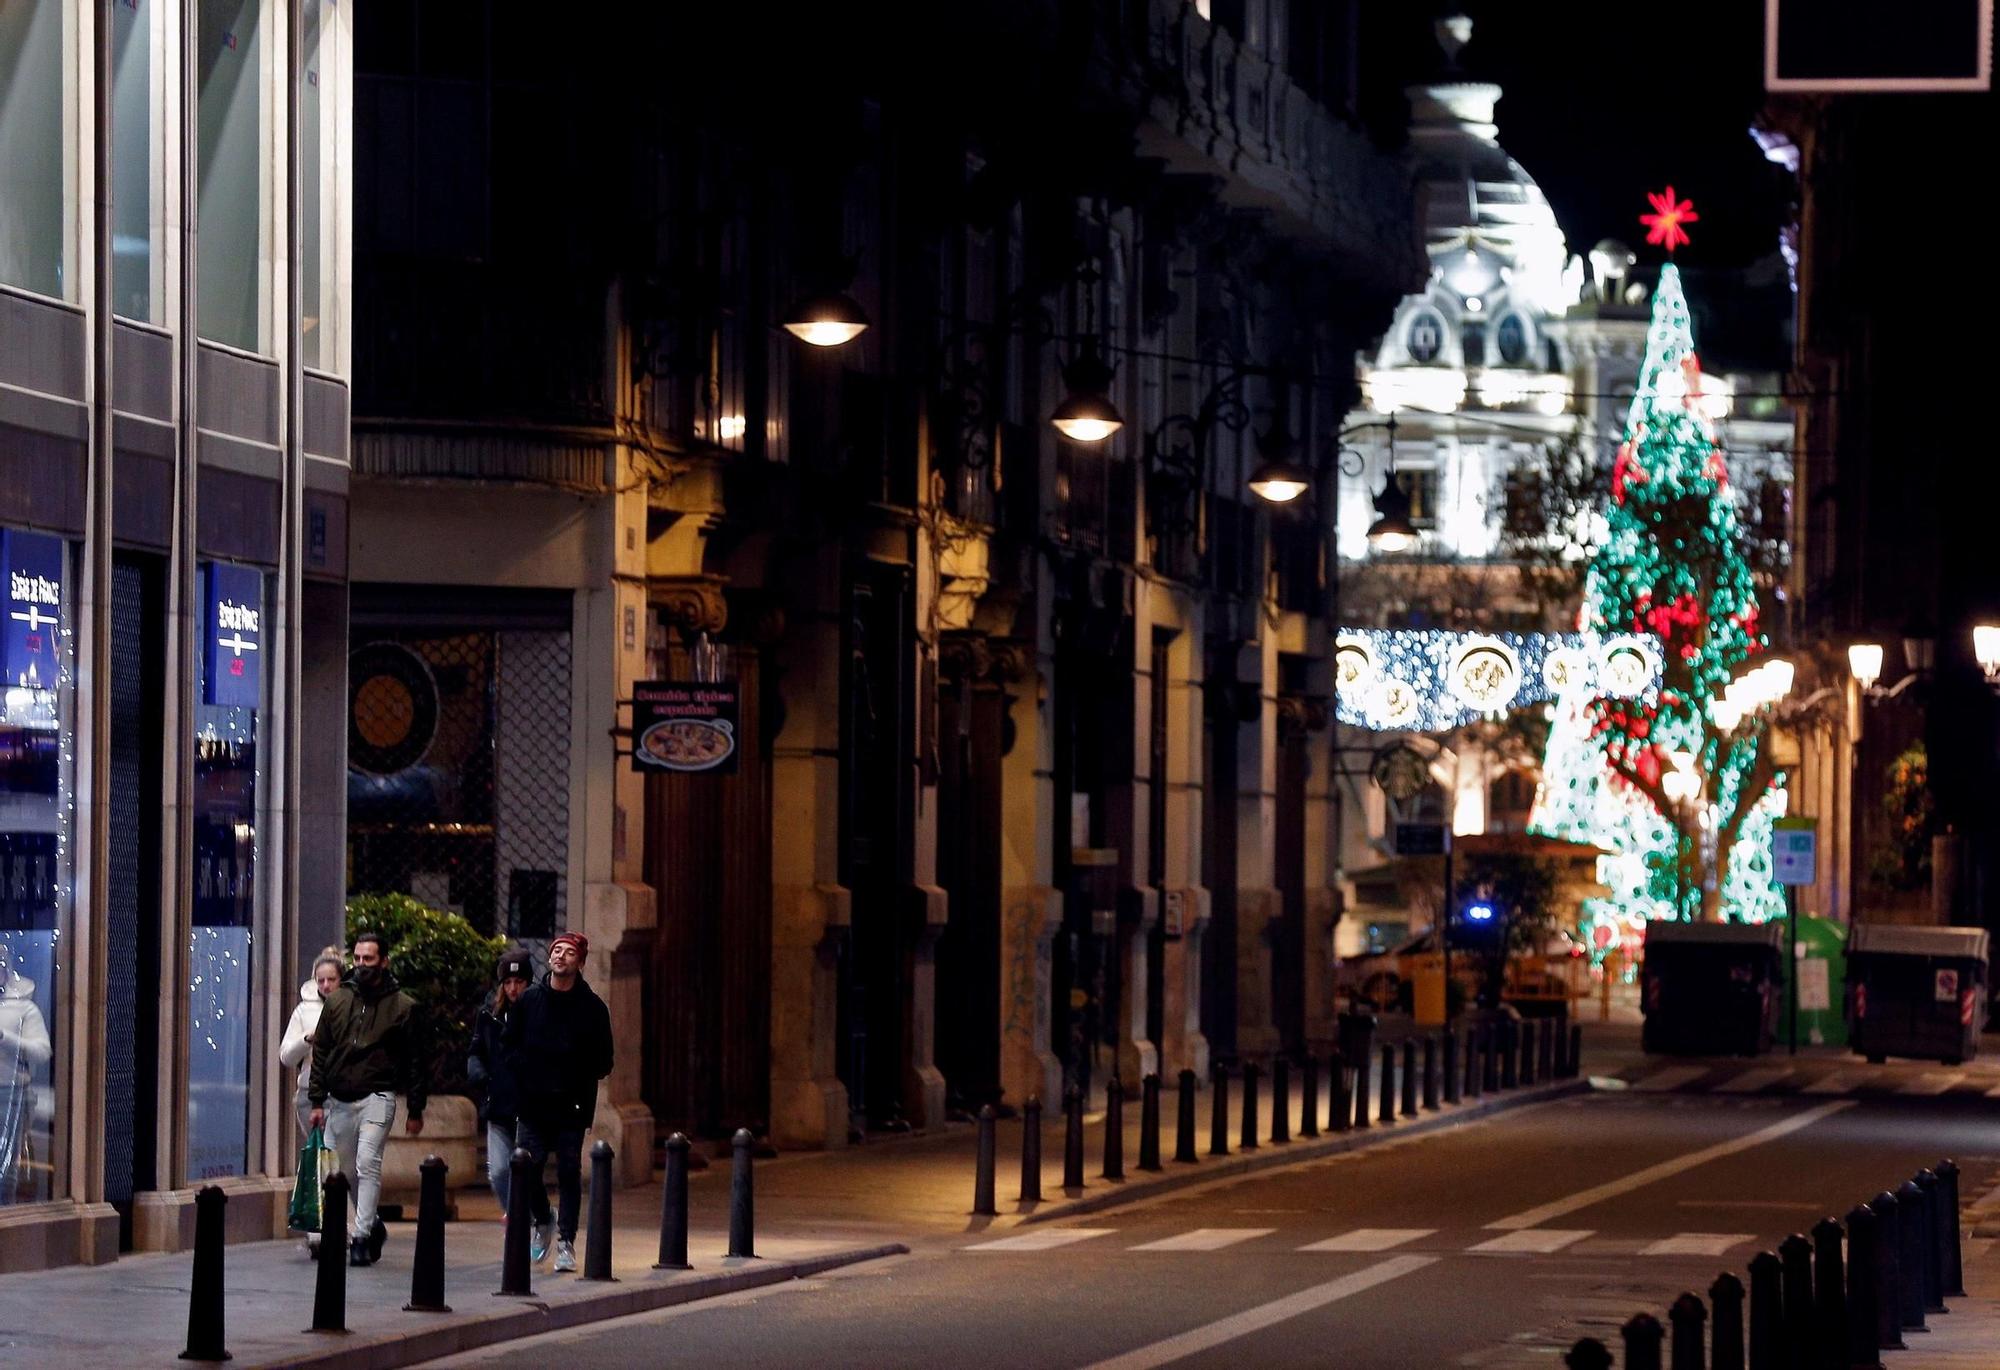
pixel 173 478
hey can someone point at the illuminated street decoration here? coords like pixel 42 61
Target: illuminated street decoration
pixel 1429 680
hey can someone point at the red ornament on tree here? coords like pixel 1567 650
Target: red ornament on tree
pixel 1666 225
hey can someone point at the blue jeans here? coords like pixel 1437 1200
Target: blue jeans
pixel 567 1143
pixel 499 1159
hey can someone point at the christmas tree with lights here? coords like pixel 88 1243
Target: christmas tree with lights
pixel 1675 782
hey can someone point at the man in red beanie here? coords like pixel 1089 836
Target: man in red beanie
pixel 558 1041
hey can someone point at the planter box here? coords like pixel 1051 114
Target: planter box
pixel 452 1131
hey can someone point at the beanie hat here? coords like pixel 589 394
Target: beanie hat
pixel 514 964
pixel 575 939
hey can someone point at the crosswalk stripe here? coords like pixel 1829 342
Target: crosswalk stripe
pixel 1751 1081
pixel 1696 1244
pixel 1047 1239
pixel 1671 1077
pixel 1206 1239
pixel 1531 1241
pixel 1933 1082
pixel 1837 1083
pixel 1372 1239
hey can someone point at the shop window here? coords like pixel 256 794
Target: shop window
pixel 134 238
pixel 34 145
pixel 230 304
pixel 316 48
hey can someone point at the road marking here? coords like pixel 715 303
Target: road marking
pixel 1638 1179
pixel 1205 1338
pixel 1837 1083
pixel 1372 1239
pixel 1205 1239
pixel 1536 1241
pixel 1048 1239
pixel 1751 1081
pixel 1933 1082
pixel 1697 1244
pixel 1672 1077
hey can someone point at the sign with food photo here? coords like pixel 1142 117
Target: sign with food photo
pixel 684 726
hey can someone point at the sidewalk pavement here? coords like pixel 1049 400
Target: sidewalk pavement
pixel 1967 1338
pixel 816 1211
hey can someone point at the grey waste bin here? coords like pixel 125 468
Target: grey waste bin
pixel 1711 989
pixel 1916 991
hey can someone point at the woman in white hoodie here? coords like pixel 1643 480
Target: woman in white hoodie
pixel 296 1049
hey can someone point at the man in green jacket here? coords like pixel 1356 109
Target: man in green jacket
pixel 364 1051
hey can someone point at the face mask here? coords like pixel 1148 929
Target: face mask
pixel 368 977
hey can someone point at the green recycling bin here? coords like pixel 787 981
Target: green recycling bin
pixel 1820 968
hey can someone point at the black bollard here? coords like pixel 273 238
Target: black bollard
pixel 1281 1100
pixel 515 1281
pixel 1767 1313
pixel 597 1240
pixel 1829 1293
pixel 1796 1253
pixel 205 1337
pixel 673 1207
pixel 1475 1064
pixel 1643 1335
pixel 1114 1128
pixel 1252 1076
pixel 1725 1343
pixel 1686 1318
pixel 1888 1271
pixel 1588 1354
pixel 1927 1184
pixel 1149 1123
pixel 1387 1112
pixel 1218 1113
pixel 1072 1138
pixel 1453 1084
pixel 982 1167
pixel 1364 1061
pixel 1573 1067
pixel 1409 1077
pixel 1339 1098
pixel 1491 1041
pixel 1184 1153
pixel 742 1197
pixel 1031 1150
pixel 1309 1096
pixel 1913 1234
pixel 1546 1045
pixel 1948 1231
pixel 1430 1071
pixel 1864 1318
pixel 427 1257
pixel 330 1284
pixel 1528 1035
pixel 1509 1047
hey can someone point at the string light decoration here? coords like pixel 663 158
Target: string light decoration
pixel 1685 806
pixel 1424 680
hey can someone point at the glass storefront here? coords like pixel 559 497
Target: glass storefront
pixel 36 754
pixel 230 666
pixel 34 143
pixel 230 307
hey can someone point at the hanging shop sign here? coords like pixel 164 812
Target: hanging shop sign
pixel 234 635
pixel 1430 680
pixel 684 726
pixel 30 651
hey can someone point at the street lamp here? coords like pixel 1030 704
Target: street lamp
pixel 826 320
pixel 1278 479
pixel 1864 661
pixel 1392 530
pixel 1986 649
pixel 1086 414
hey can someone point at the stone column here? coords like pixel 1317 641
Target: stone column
pixel 1259 906
pixel 1031 908
pixel 1184 1044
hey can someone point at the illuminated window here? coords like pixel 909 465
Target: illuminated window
pixel 1425 337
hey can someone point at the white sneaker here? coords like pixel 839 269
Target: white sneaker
pixel 538 1241
pixel 565 1257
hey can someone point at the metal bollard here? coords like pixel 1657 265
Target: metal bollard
pixel 1339 1099
pixel 1114 1128
pixel 1888 1271
pixel 982 1167
pixel 1913 1234
pixel 1184 1153
pixel 1588 1354
pixel 1528 1035
pixel 1545 1043
pixel 1409 1077
pixel 742 1197
pixel 1725 1333
pixel 1829 1293
pixel 1767 1313
pixel 1574 1066
pixel 1491 1076
pixel 1031 1150
pixel 1281 1100
pixel 330 1280
pixel 1430 1071
pixel 1149 1123
pixel 1864 1317
pixel 1252 1076
pixel 1686 1317
pixel 1509 1046
pixel 1453 1084
pixel 1218 1113
pixel 1927 1184
pixel 515 1281
pixel 1363 1061
pixel 673 1207
pixel 1948 1233
pixel 1309 1095
pixel 597 1240
pixel 1387 1112
pixel 1796 1254
pixel 1643 1335
pixel 205 1338
pixel 427 1257
pixel 1475 1064
pixel 1072 1138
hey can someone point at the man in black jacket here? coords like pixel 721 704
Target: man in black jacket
pixel 558 1042
pixel 364 1050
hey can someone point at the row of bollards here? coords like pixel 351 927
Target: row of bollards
pixel 1435 1070
pixel 206 1339
pixel 1836 1299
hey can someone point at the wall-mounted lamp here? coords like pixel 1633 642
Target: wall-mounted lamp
pixel 1986 650
pixel 826 320
pixel 1086 413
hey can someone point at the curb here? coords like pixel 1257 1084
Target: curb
pixel 531 1317
pixel 1269 1156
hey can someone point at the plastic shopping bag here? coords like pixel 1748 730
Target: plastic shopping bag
pixel 316 1162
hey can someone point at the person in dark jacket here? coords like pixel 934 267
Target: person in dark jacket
pixel 558 1042
pixel 487 1070
pixel 364 1050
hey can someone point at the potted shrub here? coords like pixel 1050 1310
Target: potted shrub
pixel 446 965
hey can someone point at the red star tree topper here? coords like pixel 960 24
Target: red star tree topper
pixel 1666 226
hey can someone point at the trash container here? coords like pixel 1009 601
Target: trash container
pixel 1916 991
pixel 1821 970
pixel 1711 989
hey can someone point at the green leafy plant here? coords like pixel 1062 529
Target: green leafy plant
pixel 443 962
pixel 1902 857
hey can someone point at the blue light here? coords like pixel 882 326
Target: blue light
pixel 1479 913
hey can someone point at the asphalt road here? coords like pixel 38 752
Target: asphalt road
pixel 1487 1246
